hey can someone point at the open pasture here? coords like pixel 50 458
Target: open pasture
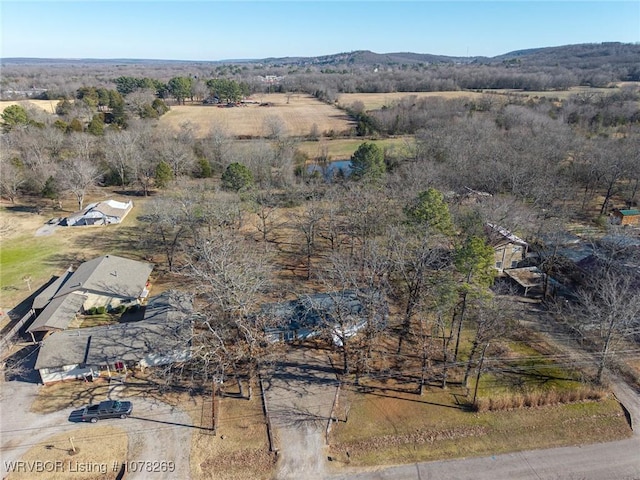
pixel 48 106
pixel 296 114
pixel 375 101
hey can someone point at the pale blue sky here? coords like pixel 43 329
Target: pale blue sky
pixel 219 30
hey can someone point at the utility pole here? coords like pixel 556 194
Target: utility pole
pixel 475 390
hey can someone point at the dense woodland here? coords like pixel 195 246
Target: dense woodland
pixel 245 222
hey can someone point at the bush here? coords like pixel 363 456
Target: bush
pixel 119 309
pixel 236 177
pixel 101 310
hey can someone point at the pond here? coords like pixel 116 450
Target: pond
pixel 331 169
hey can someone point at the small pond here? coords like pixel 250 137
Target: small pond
pixel 331 169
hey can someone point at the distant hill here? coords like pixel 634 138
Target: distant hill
pixel 366 57
pixel 585 55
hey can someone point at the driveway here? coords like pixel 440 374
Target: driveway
pixel 300 394
pixel 156 431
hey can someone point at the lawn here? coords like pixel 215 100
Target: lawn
pixel 27 256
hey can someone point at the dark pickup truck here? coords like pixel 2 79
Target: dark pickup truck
pixel 106 409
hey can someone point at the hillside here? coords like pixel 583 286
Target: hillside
pixel 580 55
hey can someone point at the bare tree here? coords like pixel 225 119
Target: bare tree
pixel 264 205
pixel 77 175
pixel 307 224
pixel 11 177
pixel 230 278
pixel 121 149
pixel 607 312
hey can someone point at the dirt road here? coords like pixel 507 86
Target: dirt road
pixel 300 393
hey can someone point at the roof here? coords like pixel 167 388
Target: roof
pixel 111 275
pixel 316 310
pixel 158 335
pixel 630 212
pixel 44 297
pixel 500 234
pixel 58 314
pixel 113 208
pixel 526 277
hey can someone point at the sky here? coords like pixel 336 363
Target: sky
pixel 222 30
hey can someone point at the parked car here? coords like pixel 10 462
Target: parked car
pixel 106 409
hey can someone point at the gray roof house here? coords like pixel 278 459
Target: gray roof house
pixel 338 314
pixel 101 213
pixel 162 337
pixel 104 281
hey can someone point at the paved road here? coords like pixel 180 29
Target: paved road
pixel 610 461
pixel 300 394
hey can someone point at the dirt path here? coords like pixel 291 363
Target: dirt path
pixel 300 394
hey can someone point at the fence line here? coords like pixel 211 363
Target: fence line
pixel 272 446
pixel 6 339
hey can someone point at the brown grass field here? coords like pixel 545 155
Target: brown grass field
pixel 48 106
pixel 374 101
pixel 298 116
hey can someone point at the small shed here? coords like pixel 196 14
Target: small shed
pixel 627 217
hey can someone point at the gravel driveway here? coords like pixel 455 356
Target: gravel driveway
pixel 300 394
pixel 156 431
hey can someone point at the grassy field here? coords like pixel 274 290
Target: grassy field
pixel 387 427
pixel 48 106
pixel 375 101
pixel 560 94
pixel 297 113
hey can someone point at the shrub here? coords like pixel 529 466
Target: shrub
pixel 119 309
pixel 101 310
pixel 236 177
